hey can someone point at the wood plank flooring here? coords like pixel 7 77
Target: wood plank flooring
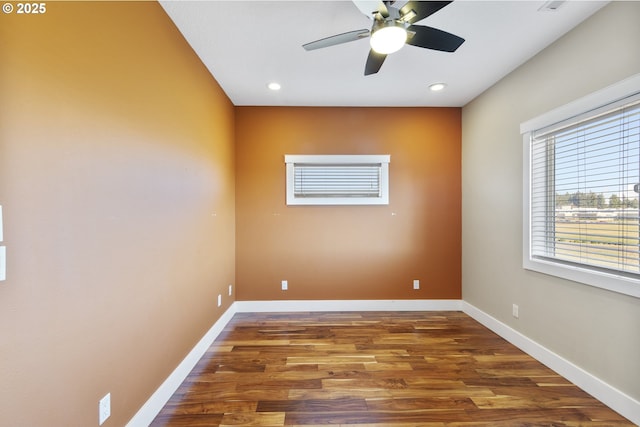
pixel 374 369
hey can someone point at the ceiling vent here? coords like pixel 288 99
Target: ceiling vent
pixel 551 6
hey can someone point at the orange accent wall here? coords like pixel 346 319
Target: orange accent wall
pixel 134 193
pixel 349 252
pixel 117 189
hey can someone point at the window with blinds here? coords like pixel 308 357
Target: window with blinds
pixel 337 179
pixel 582 185
pixel 584 199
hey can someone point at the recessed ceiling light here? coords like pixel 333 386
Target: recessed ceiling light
pixel 437 87
pixel 274 86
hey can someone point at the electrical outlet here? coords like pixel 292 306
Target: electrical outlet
pixel 285 285
pixel 3 263
pixel 416 284
pixel 515 311
pixel 230 289
pixel 104 409
pixel 219 300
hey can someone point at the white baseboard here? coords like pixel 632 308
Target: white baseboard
pixel 161 396
pixel 347 305
pixel 617 400
pixel 610 396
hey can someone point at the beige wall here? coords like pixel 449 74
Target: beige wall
pixel 595 329
pixel 117 188
pixel 349 252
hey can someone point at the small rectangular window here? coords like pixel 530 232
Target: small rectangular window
pixel 337 179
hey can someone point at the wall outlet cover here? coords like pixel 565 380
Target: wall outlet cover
pixel 3 263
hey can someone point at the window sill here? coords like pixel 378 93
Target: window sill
pixel 608 281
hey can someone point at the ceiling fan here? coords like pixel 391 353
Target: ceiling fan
pixel 393 28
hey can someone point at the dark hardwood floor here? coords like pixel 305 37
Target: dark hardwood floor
pixel 374 369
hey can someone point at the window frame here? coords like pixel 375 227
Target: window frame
pixel 336 159
pixel 604 279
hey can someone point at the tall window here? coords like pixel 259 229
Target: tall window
pixel 582 212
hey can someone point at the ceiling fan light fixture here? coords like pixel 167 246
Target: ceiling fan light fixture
pixel 389 38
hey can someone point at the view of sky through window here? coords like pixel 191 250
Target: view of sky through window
pixel 602 158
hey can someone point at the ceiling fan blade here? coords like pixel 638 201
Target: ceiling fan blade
pixel 422 9
pixel 432 38
pixel 374 62
pixel 337 39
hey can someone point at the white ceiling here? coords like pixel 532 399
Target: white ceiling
pixel 247 44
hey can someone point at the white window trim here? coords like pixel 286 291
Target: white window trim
pixel 604 280
pixel 382 159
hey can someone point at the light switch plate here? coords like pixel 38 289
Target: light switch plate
pixel 104 408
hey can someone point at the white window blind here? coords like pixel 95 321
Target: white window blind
pixel 585 178
pixel 359 180
pixel 337 179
